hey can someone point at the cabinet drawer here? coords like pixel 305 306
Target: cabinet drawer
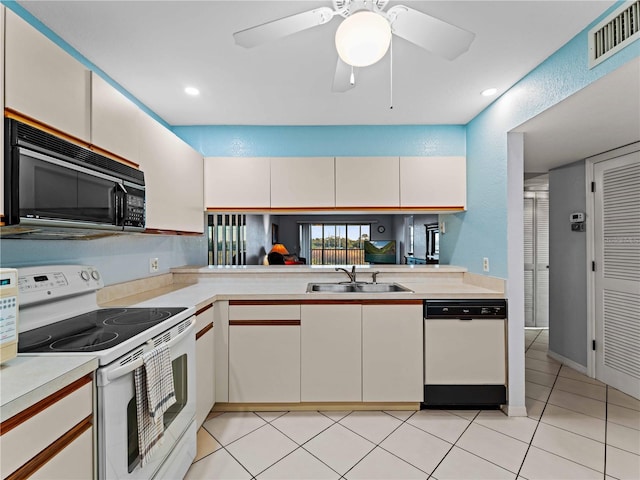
pixel 264 312
pixel 20 444
pixel 74 462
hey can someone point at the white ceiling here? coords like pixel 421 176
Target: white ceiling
pixel 156 48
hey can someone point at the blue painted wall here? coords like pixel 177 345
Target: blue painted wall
pixel 481 231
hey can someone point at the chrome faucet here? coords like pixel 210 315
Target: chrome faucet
pixel 374 276
pixel 351 274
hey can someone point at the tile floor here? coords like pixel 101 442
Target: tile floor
pixel 577 428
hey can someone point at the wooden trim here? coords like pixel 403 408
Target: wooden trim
pixel 52 450
pixel 9 113
pixel 264 302
pixel 204 309
pixel 43 404
pixel 155 231
pixel 314 406
pixel 268 323
pixel 204 330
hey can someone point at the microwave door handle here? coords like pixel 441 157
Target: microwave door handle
pixel 104 378
pixel 120 193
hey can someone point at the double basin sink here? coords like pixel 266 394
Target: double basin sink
pixel 357 287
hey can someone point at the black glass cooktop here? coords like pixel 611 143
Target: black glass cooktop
pixel 93 331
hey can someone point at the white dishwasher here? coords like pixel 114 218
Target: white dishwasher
pixel 465 353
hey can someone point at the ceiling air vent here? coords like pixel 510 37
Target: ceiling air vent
pixel 614 33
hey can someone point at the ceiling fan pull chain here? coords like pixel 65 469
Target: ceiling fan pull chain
pixel 391 74
pixel 352 78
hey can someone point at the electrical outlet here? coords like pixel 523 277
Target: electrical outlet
pixel 485 264
pixel 154 265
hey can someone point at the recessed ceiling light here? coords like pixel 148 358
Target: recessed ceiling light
pixel 489 91
pixel 193 91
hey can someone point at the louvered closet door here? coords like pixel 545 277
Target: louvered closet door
pixel 536 259
pixel 617 282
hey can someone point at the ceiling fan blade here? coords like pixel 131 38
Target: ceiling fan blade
pixel 342 78
pixel 428 32
pixel 282 27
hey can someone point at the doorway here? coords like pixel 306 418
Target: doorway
pixel 536 253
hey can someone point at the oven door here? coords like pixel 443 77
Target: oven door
pixel 117 426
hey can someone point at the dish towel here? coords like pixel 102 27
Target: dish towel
pixel 154 395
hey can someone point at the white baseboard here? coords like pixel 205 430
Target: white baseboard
pixel 513 411
pixel 569 363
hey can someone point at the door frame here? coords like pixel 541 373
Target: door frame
pixel 591 246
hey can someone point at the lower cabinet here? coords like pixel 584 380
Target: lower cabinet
pixel 205 371
pixel 331 357
pixel 52 439
pixel 264 353
pixel 392 353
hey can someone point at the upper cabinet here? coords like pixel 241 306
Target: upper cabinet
pixel 2 15
pixel 44 82
pixel 303 182
pixel 114 120
pixel 367 182
pixel 237 183
pixel 439 182
pixel 173 179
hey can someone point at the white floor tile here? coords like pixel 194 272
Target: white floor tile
pixel 537 392
pixel 579 423
pixel 299 465
pixel 302 426
pixel 218 465
pixel 540 355
pixel 597 392
pixel 373 426
pixel 541 378
pixel 400 414
pixel 206 444
pixel 568 372
pixel 380 464
pixel 624 438
pixel 538 346
pixel 270 416
pixel 417 447
pixel 541 366
pixel 578 403
pixel 534 408
pixel 466 414
pixel 622 465
pixel 507 452
pixel 335 415
pixel 521 428
pixel 261 449
pixel 541 465
pixel 571 446
pixel 231 426
pixel 623 416
pixel 440 423
pixel 339 448
pixel 622 399
pixel 461 465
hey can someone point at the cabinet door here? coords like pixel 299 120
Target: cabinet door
pixel 43 81
pixel 236 183
pixel 331 351
pixel 464 352
pixel 114 120
pixel 173 178
pixel 392 353
pixel 307 182
pixel 367 182
pixel 205 376
pixel 74 462
pixel 433 182
pixel 264 362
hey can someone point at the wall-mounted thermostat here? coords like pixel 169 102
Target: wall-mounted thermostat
pixel 576 217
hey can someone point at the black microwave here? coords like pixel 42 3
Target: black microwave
pixel 52 182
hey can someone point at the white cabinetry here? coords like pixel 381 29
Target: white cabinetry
pixel 173 178
pixel 371 182
pixel 205 371
pixel 114 120
pixel 433 182
pixel 52 439
pixel 331 353
pixel 44 82
pixel 264 353
pixel 306 182
pixel 392 353
pixel 236 183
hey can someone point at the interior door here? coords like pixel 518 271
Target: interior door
pixel 536 258
pixel 617 276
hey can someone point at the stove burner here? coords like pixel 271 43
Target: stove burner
pixel 136 317
pixel 88 341
pixel 34 341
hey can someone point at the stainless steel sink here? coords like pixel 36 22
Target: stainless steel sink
pixel 357 288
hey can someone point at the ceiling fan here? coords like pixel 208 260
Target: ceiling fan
pixel 432 34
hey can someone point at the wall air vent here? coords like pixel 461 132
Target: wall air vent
pixel 615 32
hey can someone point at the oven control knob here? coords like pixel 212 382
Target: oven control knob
pixel 95 275
pixel 84 275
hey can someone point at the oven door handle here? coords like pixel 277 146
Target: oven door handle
pixel 103 378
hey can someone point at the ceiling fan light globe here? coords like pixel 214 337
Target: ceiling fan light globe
pixel 363 38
